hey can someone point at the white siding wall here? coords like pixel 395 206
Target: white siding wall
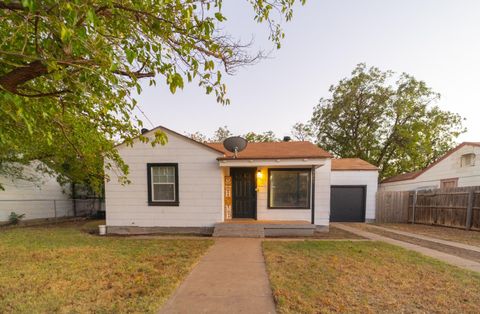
pixel 322 194
pixel 446 169
pixel 34 199
pixel 322 199
pixel 200 186
pixel 367 178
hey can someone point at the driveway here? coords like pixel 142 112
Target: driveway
pixel 445 257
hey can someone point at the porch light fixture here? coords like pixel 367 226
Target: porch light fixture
pixel 259 174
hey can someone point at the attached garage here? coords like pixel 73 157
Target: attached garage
pixel 353 190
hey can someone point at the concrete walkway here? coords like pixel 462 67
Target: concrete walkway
pixel 447 258
pixel 430 239
pixel 230 278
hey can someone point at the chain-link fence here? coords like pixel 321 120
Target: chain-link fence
pixel 47 208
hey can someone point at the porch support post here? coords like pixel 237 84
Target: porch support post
pixel 313 195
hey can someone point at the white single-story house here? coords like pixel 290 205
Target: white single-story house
pixel 188 185
pixel 41 198
pixel 457 168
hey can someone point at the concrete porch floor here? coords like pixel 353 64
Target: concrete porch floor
pixel 251 228
pixel 265 222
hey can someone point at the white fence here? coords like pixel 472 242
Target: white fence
pixel 41 209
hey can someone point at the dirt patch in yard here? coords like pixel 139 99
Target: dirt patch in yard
pixel 365 277
pixel 464 253
pixel 444 233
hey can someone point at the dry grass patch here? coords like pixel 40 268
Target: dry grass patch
pixel 336 233
pixel 445 233
pixel 365 277
pixel 64 270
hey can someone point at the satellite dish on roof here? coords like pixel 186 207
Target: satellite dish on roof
pixel 235 144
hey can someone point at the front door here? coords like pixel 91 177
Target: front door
pixel 244 194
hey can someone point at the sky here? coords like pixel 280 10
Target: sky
pixel 437 41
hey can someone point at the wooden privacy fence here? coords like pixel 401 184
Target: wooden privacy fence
pixel 456 207
pixel 392 207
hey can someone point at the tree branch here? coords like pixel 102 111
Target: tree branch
pixel 11 80
pixel 14 6
pixel 54 93
pixel 137 74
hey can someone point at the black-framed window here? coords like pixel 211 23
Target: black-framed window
pixel 162 179
pixel 289 188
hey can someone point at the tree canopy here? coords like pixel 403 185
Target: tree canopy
pixel 302 132
pixel 223 132
pixel 389 120
pixel 68 70
pixel 267 136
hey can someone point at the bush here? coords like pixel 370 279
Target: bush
pixel 15 218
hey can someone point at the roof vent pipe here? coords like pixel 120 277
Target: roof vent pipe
pixel 287 138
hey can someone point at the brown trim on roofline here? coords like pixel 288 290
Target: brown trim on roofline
pixel 355 169
pixel 270 158
pixel 447 154
pixel 181 135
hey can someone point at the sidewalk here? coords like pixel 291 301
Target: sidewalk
pixel 230 278
pixel 444 257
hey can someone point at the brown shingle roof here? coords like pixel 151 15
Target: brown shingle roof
pixel 344 164
pixel 414 174
pixel 403 176
pixel 275 150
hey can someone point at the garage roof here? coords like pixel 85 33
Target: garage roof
pixel 345 164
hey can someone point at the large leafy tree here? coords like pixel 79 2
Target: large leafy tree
pixel 267 136
pixel 302 132
pixel 389 120
pixel 223 132
pixel 68 69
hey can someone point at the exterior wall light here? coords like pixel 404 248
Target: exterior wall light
pixel 259 174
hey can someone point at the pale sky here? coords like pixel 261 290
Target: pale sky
pixel 437 41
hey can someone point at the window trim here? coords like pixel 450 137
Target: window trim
pixel 443 181
pixel 151 202
pixel 472 157
pixel 309 170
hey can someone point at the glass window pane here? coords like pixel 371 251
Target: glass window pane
pixel 164 192
pixel 162 174
pixel 289 189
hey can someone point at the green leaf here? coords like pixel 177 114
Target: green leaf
pixel 64 33
pixel 220 17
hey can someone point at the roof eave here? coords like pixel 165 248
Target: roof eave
pixel 271 158
pixel 180 135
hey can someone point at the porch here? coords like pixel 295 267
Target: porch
pixel 252 228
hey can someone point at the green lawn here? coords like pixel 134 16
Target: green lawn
pixel 63 269
pixel 363 277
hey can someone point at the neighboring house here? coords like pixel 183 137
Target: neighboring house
pixel 42 198
pixel 186 185
pixel 458 167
